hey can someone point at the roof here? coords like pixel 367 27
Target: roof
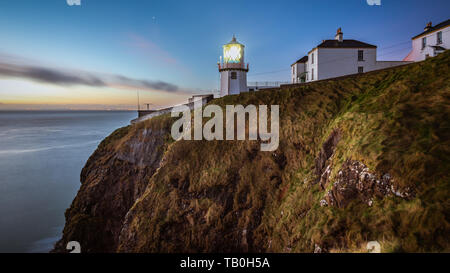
pixel 301 60
pixel 234 41
pixel 433 29
pixel 344 44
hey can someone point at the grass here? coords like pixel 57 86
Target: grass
pixel 395 121
pixel 228 196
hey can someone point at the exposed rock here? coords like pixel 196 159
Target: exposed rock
pixel 323 203
pixel 229 223
pixel 355 182
pixel 319 249
pixel 328 147
pixel 324 177
pixel 111 180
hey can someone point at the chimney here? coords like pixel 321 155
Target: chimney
pixel 428 27
pixel 339 35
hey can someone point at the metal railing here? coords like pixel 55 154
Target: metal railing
pixel 266 84
pixel 223 66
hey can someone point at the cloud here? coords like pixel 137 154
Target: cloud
pixel 158 85
pixel 47 75
pixel 64 77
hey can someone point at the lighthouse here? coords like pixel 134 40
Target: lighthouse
pixel 233 70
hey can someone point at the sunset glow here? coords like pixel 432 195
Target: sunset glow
pixel 78 56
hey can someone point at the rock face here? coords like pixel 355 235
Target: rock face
pixel 112 180
pixel 216 208
pixel 360 159
pixel 355 182
pixel 322 168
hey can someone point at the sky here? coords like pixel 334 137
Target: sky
pixel 97 55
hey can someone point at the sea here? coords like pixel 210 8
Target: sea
pixel 41 157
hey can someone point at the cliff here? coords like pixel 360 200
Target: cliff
pixel 361 158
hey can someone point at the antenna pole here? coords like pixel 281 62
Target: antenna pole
pixel 139 108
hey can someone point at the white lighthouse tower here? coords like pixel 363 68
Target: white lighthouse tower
pixel 233 70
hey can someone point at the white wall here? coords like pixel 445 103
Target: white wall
pixel 297 70
pixel 230 86
pixel 294 73
pixel 418 54
pixel 224 83
pixel 312 65
pixel 336 62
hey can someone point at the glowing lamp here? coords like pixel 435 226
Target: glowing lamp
pixel 232 53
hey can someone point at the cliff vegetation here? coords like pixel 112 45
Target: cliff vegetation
pixel 361 158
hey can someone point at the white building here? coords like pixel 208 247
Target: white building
pixel 233 70
pixel 432 41
pixel 299 69
pixel 338 57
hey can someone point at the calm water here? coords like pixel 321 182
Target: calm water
pixel 41 156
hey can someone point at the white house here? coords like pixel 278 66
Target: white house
pixel 299 69
pixel 338 57
pixel 432 41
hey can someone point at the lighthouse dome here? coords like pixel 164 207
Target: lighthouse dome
pixel 233 52
pixel 235 42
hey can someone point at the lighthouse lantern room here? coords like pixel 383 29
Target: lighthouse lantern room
pixel 233 70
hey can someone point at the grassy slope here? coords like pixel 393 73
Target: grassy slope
pixel 229 196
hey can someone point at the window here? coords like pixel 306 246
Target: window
pixel 233 75
pixel 312 74
pixel 424 42
pixel 360 69
pixel 360 55
pixel 312 58
pixel 439 37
